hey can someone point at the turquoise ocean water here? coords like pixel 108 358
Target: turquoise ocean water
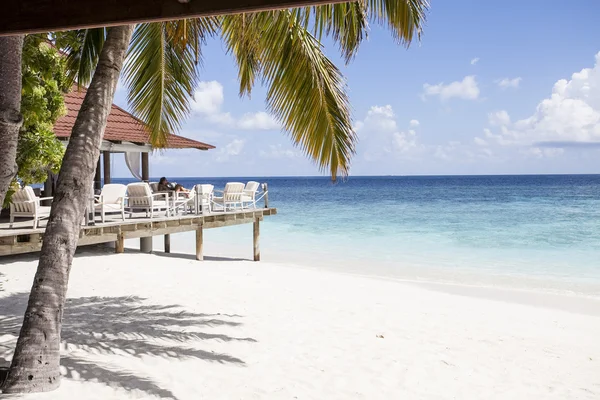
pixel 521 231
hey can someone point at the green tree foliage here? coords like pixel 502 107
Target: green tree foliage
pixel 44 84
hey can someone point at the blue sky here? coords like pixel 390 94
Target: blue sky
pixel 493 87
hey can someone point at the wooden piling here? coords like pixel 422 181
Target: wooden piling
pixel 256 240
pixel 199 244
pixel 120 243
pixel 167 243
pixel 265 188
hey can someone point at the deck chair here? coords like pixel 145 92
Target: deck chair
pixel 249 196
pixel 26 204
pixel 140 197
pixel 154 187
pixel 232 196
pixel 204 198
pixel 184 201
pixel 111 200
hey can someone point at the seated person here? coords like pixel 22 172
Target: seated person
pixel 165 186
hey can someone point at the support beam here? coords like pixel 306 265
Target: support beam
pixel 167 243
pixel 106 165
pixel 120 243
pixel 199 244
pixel 145 167
pixel 265 187
pixel 256 240
pixel 97 176
pixel 145 242
pixel 48 190
pixel 39 16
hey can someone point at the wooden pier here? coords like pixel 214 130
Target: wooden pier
pixel 21 239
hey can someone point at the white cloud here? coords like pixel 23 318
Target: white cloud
pixel 234 147
pixel 404 141
pixel 474 60
pixel 506 83
pixel 231 149
pixel 499 118
pixel 208 98
pixel 479 141
pixel 278 151
pixel 414 123
pixel 258 121
pixel 569 117
pixel 538 152
pixel 380 136
pixel 466 89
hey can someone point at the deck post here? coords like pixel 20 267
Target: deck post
pixel 48 190
pixel 168 243
pixel 199 244
pixel 97 181
pixel 145 242
pixel 256 238
pixel 120 243
pixel 265 188
pixel 106 165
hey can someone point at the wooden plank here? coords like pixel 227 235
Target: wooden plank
pixel 256 239
pixel 8 240
pixel 39 16
pixel 199 244
pixel 18 241
pixel 96 239
pixel 168 243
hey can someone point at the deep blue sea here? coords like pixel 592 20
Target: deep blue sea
pixel 538 231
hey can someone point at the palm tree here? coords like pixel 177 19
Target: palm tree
pixel 306 93
pixel 11 48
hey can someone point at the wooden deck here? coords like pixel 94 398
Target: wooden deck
pixel 22 238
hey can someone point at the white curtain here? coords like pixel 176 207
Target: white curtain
pixel 134 163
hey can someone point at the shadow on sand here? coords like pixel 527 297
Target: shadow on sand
pixel 127 327
pixel 101 250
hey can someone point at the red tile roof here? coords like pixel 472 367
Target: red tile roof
pixel 121 125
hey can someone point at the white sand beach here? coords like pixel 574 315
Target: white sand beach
pixel 151 326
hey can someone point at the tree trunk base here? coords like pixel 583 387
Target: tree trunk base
pixel 30 384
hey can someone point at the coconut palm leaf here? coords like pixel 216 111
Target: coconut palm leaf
pixel 83 48
pixel 345 23
pixel 161 73
pixel 306 92
pixel 404 18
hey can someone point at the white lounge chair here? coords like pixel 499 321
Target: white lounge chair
pixel 26 204
pixel 154 187
pixel 204 198
pixel 232 196
pixel 249 196
pixel 140 197
pixel 111 200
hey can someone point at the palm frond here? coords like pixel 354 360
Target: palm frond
pixel 345 23
pixel 161 75
pixel 244 44
pixel 83 48
pixel 306 92
pixel 404 18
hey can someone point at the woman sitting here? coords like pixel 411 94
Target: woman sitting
pixel 165 186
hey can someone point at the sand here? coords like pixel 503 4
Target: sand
pixel 150 326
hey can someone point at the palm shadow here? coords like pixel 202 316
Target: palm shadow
pixel 124 326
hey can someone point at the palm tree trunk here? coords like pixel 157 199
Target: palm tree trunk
pixel 11 49
pixel 35 365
